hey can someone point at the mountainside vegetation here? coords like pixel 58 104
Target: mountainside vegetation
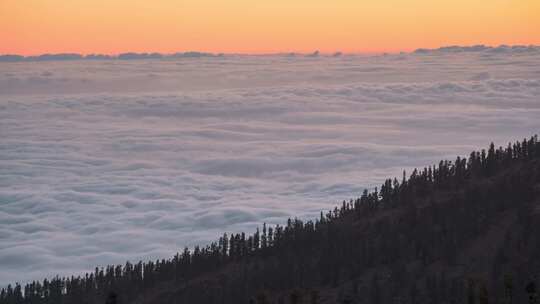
pixel 463 231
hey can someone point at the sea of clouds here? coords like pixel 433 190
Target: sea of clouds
pixel 103 161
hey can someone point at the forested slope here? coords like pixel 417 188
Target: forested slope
pixel 463 231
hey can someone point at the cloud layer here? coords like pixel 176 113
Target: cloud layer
pixel 122 56
pixel 103 162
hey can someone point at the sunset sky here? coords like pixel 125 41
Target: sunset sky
pixel 113 26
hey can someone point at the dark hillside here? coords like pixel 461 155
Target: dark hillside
pixel 463 231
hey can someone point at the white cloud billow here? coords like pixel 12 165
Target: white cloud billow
pixel 105 161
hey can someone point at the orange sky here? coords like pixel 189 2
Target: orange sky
pixel 261 26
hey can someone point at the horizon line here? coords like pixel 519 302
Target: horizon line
pixel 11 57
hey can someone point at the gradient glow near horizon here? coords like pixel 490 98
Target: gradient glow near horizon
pixel 31 27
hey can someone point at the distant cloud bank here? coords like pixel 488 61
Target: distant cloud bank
pixel 482 48
pixel 194 54
pixel 122 56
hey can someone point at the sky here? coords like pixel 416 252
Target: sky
pixel 30 27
